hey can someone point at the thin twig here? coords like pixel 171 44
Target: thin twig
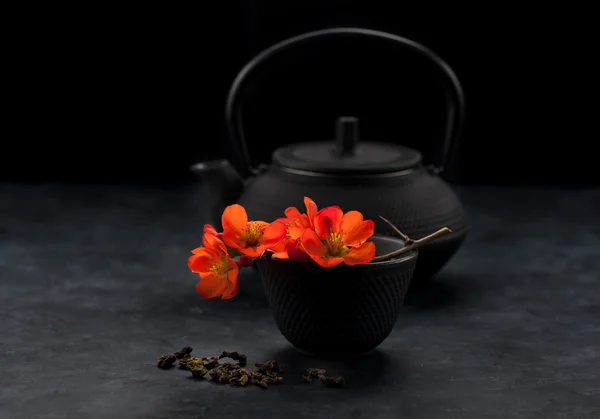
pixel 407 239
pixel 413 245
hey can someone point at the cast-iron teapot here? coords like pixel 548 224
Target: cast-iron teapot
pixel 374 178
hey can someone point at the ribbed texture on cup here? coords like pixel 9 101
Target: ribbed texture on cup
pixel 339 311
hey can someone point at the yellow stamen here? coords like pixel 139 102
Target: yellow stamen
pixel 335 245
pixel 220 267
pixel 252 234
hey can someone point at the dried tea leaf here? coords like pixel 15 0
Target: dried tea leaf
pixel 225 378
pixel 199 371
pixel 215 374
pixel 210 361
pixel 263 383
pixel 273 380
pixel 166 361
pixel 311 373
pixel 228 366
pixel 190 362
pixel 227 372
pixel 236 356
pixel 269 366
pixel 221 376
pixel 240 381
pixel 183 352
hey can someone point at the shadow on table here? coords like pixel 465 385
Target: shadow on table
pixel 444 290
pixel 375 369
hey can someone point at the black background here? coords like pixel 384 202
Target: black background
pixel 123 96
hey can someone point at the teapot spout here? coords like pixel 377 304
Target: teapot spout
pixel 221 184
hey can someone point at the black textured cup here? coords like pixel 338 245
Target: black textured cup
pixel 341 311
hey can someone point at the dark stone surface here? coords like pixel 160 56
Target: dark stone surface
pixel 94 286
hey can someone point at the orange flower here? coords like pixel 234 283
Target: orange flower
pixel 294 229
pixel 300 222
pixel 211 232
pixel 339 237
pixel 218 272
pixel 295 224
pixel 279 250
pixel 249 237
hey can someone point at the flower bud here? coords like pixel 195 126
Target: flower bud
pixel 245 261
pixel 295 251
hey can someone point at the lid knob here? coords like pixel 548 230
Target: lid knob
pixel 346 135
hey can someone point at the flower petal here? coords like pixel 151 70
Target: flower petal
pixel 284 220
pixel 208 231
pixel 279 251
pixel 233 284
pixel 311 210
pixel 297 227
pixel 328 220
pixel 280 255
pixel 231 290
pixel 235 217
pixel 205 241
pixel 312 245
pixel 350 220
pixel 328 263
pixel 273 234
pixel 233 264
pixel 360 255
pixel 233 240
pixel 211 286
pixel 305 222
pixel 202 260
pixel 212 242
pixel 234 220
pixel 292 213
pixel 253 252
pixel 359 234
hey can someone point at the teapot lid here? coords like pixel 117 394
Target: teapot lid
pixel 346 154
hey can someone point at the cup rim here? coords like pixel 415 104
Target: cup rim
pixel 395 261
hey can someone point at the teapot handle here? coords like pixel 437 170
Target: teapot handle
pixel 454 92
